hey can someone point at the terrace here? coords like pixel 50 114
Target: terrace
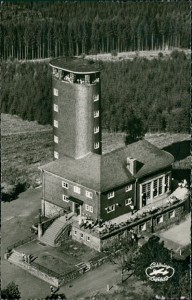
pixel 102 229
pixel 70 77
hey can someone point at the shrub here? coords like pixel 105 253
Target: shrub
pixel 114 53
pixel 10 192
pixel 93 52
pixel 11 292
pixel 160 55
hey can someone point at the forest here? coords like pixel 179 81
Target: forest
pixel 40 29
pixel 157 92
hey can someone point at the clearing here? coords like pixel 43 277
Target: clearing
pixel 150 54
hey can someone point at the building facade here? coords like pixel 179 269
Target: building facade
pixel 82 180
pixel 76 108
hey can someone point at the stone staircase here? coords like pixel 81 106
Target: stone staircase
pixel 16 258
pixel 84 266
pixel 58 227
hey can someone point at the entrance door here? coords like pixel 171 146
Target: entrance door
pixel 77 209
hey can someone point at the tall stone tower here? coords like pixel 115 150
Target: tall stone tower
pixel 76 107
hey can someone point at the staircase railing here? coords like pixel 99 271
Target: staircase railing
pixel 62 230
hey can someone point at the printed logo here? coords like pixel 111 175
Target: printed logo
pixel 159 272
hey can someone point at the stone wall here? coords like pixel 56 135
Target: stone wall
pixel 86 238
pixel 51 210
pixel 148 224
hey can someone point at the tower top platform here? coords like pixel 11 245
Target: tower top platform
pixel 75 65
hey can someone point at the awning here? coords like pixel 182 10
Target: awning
pixel 80 202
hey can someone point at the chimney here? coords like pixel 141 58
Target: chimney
pixel 131 165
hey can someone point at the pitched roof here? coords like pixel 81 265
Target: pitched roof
pixel 108 171
pixel 76 65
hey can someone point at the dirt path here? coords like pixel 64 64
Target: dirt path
pixel 92 282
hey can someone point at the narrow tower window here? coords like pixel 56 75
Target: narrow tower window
pixel 96 129
pixel 56 154
pixel 56 139
pixel 55 107
pixel 96 98
pixel 96 145
pixel 55 123
pixel 96 113
pixel 55 92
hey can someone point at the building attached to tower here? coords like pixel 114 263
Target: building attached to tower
pixel 82 180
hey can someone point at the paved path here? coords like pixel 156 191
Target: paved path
pixel 177 236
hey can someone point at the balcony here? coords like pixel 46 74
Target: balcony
pixel 69 77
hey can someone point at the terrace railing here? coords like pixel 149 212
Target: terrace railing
pixel 21 242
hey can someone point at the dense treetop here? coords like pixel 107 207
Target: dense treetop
pixel 156 92
pixel 54 28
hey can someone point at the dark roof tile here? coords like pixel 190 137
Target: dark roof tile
pixel 108 171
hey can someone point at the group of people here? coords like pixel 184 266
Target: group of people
pixel 26 258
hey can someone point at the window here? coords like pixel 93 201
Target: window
pixel 65 185
pixel 96 129
pixel 96 113
pixel 55 92
pixel 96 98
pixel 146 192
pixel 96 145
pixel 142 227
pixel 65 198
pixel 160 185
pixel 155 188
pixel 128 201
pixel 88 238
pixel 86 207
pixel 55 123
pixel 172 214
pixel 110 195
pixel 56 139
pixel 77 189
pixel 89 208
pixel 56 154
pixel 128 188
pixel 55 107
pixel 159 219
pixel 167 183
pixel 89 194
pixel 81 235
pixel 75 232
pixel 110 208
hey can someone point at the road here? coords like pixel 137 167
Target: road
pixel 92 282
